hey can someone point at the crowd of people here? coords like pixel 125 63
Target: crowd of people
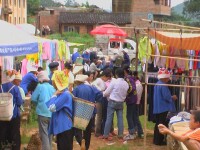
pixel 106 82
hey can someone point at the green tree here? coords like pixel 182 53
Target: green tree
pixel 32 6
pixel 192 8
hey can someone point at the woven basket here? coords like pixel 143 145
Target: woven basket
pixel 83 111
pixel 6 106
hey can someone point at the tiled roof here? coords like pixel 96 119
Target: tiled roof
pixel 94 18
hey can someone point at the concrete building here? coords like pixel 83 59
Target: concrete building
pixel 13 11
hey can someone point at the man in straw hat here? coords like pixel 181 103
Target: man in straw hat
pixel 60 105
pixel 89 93
pixel 163 103
pixel 40 96
pixel 10 130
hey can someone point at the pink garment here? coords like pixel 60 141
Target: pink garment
pixel 179 62
pixel 195 62
pixel 24 68
pixel 46 51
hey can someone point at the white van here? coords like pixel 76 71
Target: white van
pixel 118 45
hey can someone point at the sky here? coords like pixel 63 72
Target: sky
pixel 107 4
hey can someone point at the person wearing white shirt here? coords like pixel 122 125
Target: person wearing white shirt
pixel 117 92
pixel 100 84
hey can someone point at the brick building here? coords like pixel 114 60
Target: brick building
pixel 13 11
pixel 124 13
pixel 141 8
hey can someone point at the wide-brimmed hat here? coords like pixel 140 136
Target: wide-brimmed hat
pixel 60 79
pixel 77 69
pixel 18 76
pixel 81 78
pixel 163 73
pixel 43 76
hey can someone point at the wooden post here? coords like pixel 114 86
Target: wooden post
pixel 136 55
pixel 145 101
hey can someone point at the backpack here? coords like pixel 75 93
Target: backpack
pixel 118 61
pixel 6 105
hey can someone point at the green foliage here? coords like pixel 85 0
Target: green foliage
pixel 192 7
pixel 50 3
pixel 124 147
pixel 32 6
pixel 74 37
pixel 30 20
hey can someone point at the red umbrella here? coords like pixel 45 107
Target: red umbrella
pixel 108 29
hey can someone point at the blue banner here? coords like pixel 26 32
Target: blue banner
pixel 18 50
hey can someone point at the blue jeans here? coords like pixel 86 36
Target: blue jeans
pixel 112 107
pixel 46 139
pixel 133 120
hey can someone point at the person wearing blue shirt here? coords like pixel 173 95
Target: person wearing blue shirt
pixel 27 79
pixel 60 105
pixel 126 57
pixel 75 55
pixel 162 104
pixel 86 55
pixel 40 96
pixel 10 130
pixel 89 93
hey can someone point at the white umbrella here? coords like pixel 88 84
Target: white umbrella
pixel 28 28
pixel 14 42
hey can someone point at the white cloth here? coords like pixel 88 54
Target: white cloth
pixel 117 90
pixel 139 89
pixel 71 78
pixel 86 67
pixel 93 68
pixel 99 84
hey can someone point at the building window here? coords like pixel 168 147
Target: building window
pixel 10 2
pixel 0 1
pixel 19 21
pixel 15 2
pixel 157 2
pixel 19 3
pixel 24 20
pixel 71 29
pixel 10 19
pixel 15 20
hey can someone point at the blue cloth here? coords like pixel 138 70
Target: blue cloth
pixel 40 96
pixel 28 78
pixel 87 92
pixel 17 99
pixel 75 56
pixel 126 59
pixel 86 56
pixel 162 100
pixel 50 76
pixel 60 119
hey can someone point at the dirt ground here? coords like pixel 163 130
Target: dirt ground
pixel 98 144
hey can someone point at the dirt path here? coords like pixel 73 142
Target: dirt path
pixel 98 144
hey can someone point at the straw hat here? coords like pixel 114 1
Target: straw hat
pixel 77 69
pixel 42 76
pixel 18 76
pixel 60 79
pixel 81 78
pixel 163 73
pixel 31 67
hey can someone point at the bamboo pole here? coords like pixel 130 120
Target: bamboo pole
pixel 172 85
pixel 145 102
pixel 171 24
pixel 176 57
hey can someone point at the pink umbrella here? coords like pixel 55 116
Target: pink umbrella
pixel 108 29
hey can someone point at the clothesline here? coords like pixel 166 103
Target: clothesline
pixel 171 85
pixel 174 57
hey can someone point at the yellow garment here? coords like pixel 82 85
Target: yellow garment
pixel 32 57
pixel 61 79
pixel 61 49
pixel 143 55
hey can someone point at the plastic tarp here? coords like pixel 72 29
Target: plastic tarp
pixel 184 41
pixel 28 28
pixel 14 42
